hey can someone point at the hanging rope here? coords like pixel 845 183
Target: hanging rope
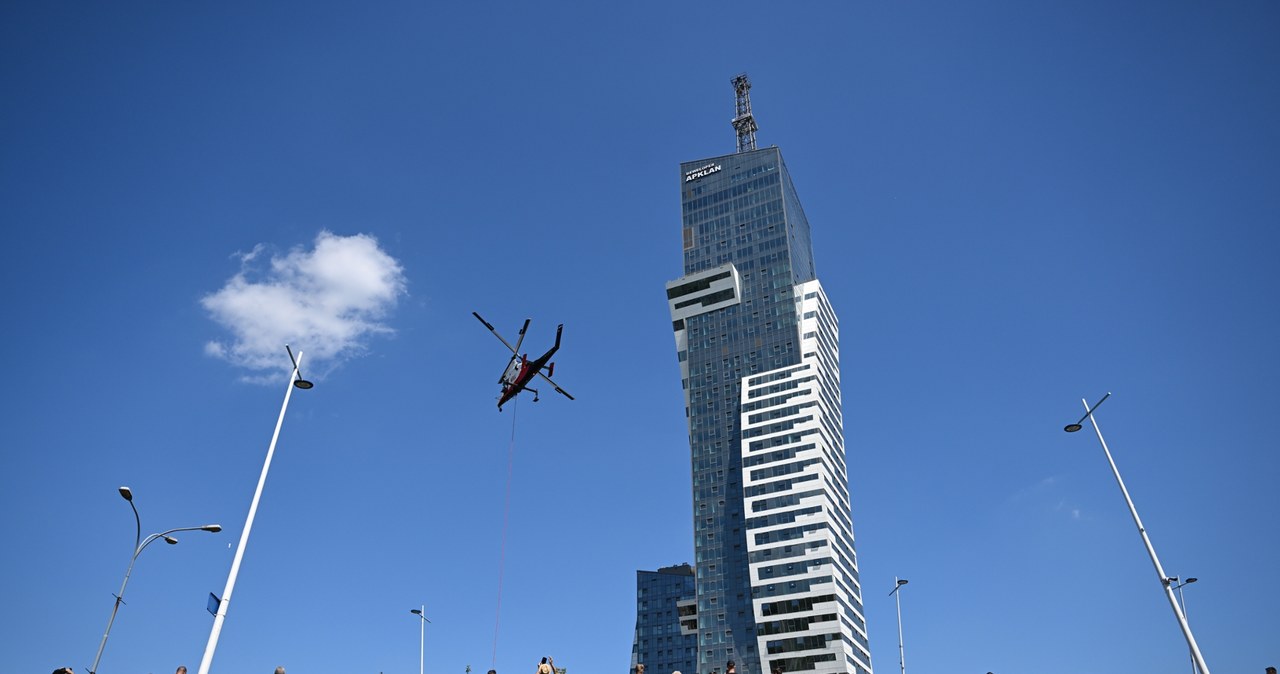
pixel 506 512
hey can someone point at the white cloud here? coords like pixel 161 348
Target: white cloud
pixel 326 301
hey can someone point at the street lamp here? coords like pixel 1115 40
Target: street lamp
pixel 422 633
pixel 902 655
pixel 298 381
pixel 1183 600
pixel 1196 657
pixel 138 546
pixel 295 381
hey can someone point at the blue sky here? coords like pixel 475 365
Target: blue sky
pixel 1014 205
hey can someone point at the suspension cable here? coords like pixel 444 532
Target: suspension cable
pixel 506 516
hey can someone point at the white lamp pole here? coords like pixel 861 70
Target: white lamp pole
pixel 902 655
pixel 422 633
pixel 1142 531
pixel 295 380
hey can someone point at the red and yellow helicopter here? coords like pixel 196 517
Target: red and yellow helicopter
pixel 520 370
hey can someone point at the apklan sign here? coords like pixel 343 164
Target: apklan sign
pixel 701 172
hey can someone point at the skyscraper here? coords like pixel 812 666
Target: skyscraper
pixel 666 638
pixel 758 345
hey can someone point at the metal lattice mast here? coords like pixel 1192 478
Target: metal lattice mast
pixel 743 122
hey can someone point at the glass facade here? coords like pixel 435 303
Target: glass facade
pixel 666 637
pixel 743 327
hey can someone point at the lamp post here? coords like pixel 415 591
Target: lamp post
pixel 902 655
pixel 422 633
pixel 138 546
pixel 1183 601
pixel 1196 657
pixel 295 381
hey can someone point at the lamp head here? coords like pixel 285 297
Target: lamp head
pixel 299 381
pixel 170 540
pixel 1192 580
pixel 902 582
pixel 126 493
pixel 1072 428
pixel 416 610
pixel 212 528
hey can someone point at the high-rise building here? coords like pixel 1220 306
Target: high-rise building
pixel 776 575
pixel 666 638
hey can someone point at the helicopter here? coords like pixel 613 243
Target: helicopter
pixel 520 370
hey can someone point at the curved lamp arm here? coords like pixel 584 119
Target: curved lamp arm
pixel 137 550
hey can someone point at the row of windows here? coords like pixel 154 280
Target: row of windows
pixel 658 630
pixel 823 303
pixel 792 569
pixel 785 552
pixel 781 518
pixel 706 229
pixel 794 624
pixel 798 605
pixel 776 487
pixel 695 286
pixel 780 262
pixel 773 211
pixel 805 663
pixel 784 501
pixel 775 428
pixel 825 337
pixel 830 329
pixel 773 457
pixel 775 376
pixel 779 440
pixel 829 351
pixel 756 232
pixel 708 300
pixel 794 587
pixel 744 214
pixel 750 333
pixel 753 172
pixel 784 469
pixel 778 413
pixel 773 401
pixel 691 205
pixel 789 385
pixel 809 643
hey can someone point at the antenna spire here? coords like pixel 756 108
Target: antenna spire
pixel 744 122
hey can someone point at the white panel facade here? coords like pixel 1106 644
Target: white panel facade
pixel 695 294
pixel 804 573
